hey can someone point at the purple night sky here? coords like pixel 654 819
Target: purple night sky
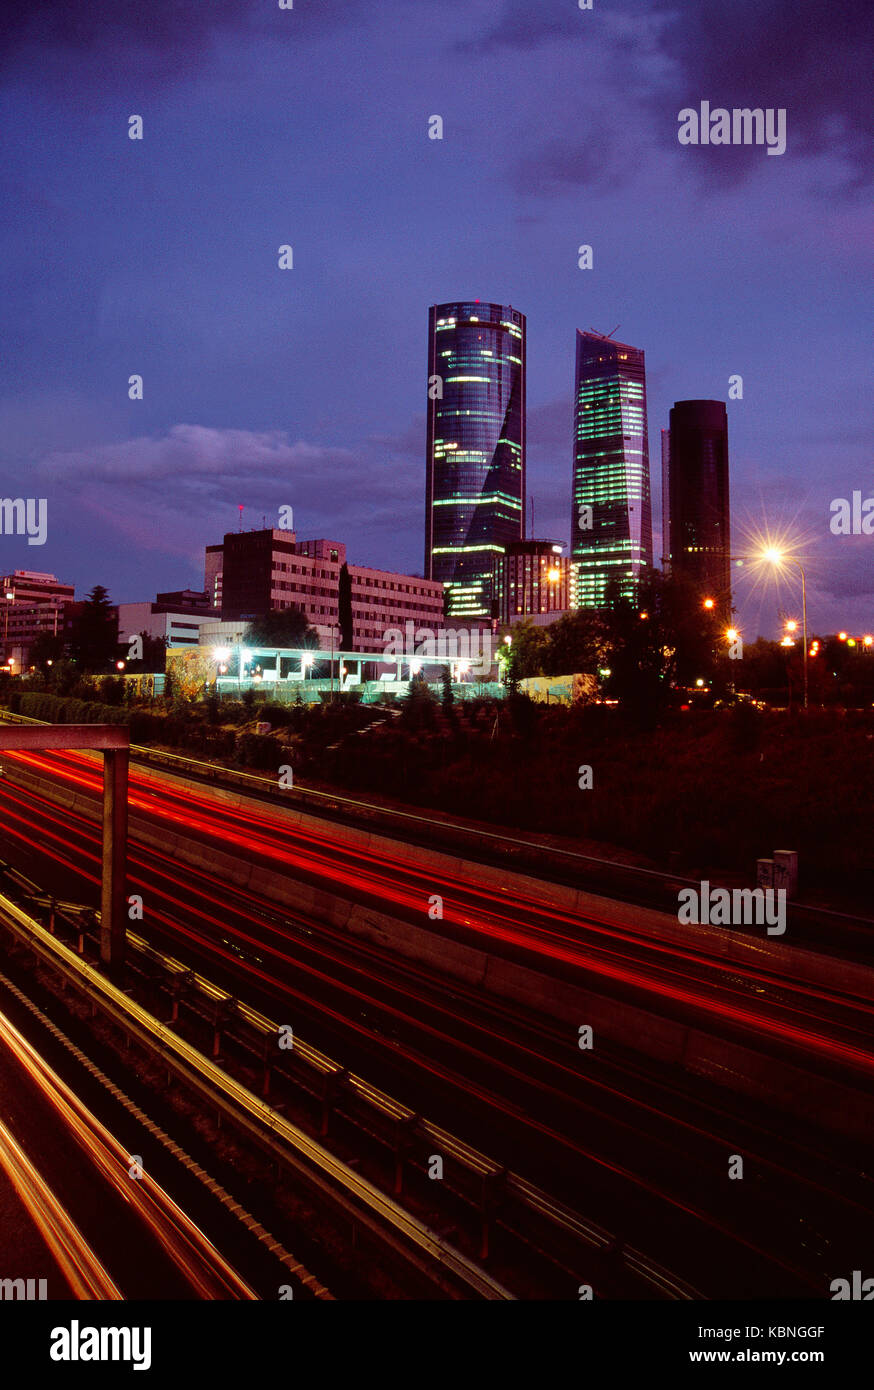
pixel 309 126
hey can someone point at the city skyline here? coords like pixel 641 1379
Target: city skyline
pixel 435 858
pixel 249 392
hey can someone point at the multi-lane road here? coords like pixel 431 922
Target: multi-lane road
pixel 641 1147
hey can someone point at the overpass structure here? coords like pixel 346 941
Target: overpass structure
pixel 113 741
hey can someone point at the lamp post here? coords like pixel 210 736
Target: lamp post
pixel 10 598
pixel 777 558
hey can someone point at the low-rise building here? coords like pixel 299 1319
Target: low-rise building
pixel 32 605
pixel 267 571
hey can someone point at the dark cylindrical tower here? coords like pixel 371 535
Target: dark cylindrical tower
pixel 696 500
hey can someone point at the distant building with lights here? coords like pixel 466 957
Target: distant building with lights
pixel 175 617
pixel 611 525
pixel 531 580
pixel 33 605
pixel 695 501
pixel 475 448
pixel 258 572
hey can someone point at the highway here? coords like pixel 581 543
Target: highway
pixel 643 1147
pixel 85 1192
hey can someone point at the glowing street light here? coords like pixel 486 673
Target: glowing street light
pixel 708 603
pixel 732 634
pixel 776 557
pixel 842 637
pixel 221 653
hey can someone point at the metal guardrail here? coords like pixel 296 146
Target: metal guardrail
pixel 351 806
pixel 393 1116
pixel 359 1200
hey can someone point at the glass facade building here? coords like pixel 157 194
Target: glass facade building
pixel 612 514
pixel 475 468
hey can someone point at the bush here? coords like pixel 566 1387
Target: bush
pixel 258 750
pixel 56 709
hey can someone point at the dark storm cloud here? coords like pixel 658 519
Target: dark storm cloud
pixel 596 159
pixel 522 25
pixel 153 40
pixel 161 28
pixel 812 58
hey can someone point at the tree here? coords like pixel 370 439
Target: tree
pixel 281 627
pixel 344 609
pixel 46 650
pixel 578 644
pixel 94 643
pixel 418 704
pixel 527 652
pixel 448 694
pixel 661 639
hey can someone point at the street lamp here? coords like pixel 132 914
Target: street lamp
pixel 10 598
pixel 778 559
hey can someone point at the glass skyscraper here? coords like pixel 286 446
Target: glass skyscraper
pixel 611 526
pixel 475 468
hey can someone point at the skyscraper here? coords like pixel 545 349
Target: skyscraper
pixel 612 517
pixel 475 467
pixel 695 499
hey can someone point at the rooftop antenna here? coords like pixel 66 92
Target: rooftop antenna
pixel 240 510
pixel 605 335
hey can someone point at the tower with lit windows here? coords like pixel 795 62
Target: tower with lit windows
pixel 475 465
pixel 611 525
